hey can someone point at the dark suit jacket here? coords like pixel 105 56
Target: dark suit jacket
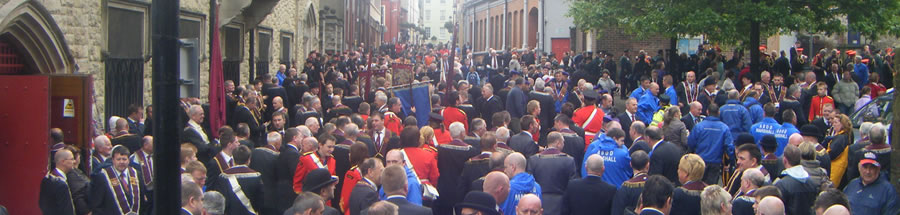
pixel 133 142
pixel 590 195
pixel 625 121
pixel 488 108
pixel 135 127
pixel 515 102
pixel 405 207
pixel 664 160
pixel 263 161
pixel 688 121
pixel 54 196
pixel 361 198
pixel 523 143
pixel 103 200
pixel 251 186
pixel 285 165
pixel 204 149
pixel 257 129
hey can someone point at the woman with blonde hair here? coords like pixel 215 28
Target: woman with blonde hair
pixel 674 130
pixel 840 138
pixel 428 136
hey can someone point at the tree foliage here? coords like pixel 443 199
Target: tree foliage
pixel 729 21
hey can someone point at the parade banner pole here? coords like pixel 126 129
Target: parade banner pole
pixel 165 103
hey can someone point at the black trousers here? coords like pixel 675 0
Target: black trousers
pixel 712 173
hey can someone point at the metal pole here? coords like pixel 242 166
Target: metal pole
pixel 165 102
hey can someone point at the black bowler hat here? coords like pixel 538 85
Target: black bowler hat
pixel 709 81
pixel 768 142
pixel 480 201
pixel 810 130
pixel 744 138
pixel 317 179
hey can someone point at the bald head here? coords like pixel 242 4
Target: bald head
pixel 595 165
pixel 309 144
pixel 795 139
pixel 770 205
pixel 497 184
pixel 515 163
pixel 529 204
pixel 61 156
pixel 837 210
pixel 394 157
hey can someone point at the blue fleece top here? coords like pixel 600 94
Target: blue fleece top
pixel 616 160
pixel 710 138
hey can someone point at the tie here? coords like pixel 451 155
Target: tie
pixel 231 162
pixel 378 139
pixel 632 117
pixel 125 184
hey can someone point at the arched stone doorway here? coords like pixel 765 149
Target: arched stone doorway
pixel 532 27
pixel 28 27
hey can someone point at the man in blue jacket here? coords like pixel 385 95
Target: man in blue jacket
pixel 754 107
pixel 871 193
pixel 767 126
pixel 787 129
pixel 641 90
pixel 735 115
pixel 648 104
pixel 616 160
pixel 520 182
pixel 711 139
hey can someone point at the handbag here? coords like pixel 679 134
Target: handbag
pixel 429 192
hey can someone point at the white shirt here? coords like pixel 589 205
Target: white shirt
pixel 227 157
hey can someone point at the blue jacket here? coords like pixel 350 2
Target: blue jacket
pixel 637 93
pixel 782 135
pixel 414 195
pixel 710 138
pixel 280 76
pixel 519 185
pixel 875 198
pixel 862 74
pixel 515 102
pixel 736 116
pixel 615 158
pixel 673 96
pixel 756 109
pixel 767 126
pixel 647 106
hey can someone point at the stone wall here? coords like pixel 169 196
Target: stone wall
pixel 83 24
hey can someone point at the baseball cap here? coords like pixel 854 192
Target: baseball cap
pixel 869 158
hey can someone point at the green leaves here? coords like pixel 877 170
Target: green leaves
pixel 728 21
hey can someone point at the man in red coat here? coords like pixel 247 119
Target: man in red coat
pixel 441 133
pixel 818 102
pixel 452 114
pixel 393 118
pixel 320 158
pixel 589 116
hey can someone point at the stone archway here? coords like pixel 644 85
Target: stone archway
pixel 28 26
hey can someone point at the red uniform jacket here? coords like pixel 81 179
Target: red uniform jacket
pixel 350 179
pixel 442 136
pixel 308 162
pixel 815 106
pixel 424 164
pixel 392 122
pixel 453 114
pixel 590 127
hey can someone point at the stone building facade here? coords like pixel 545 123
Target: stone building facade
pixel 103 37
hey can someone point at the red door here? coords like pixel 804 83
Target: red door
pixel 559 46
pixel 23 140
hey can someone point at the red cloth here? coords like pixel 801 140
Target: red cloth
pixel 877 89
pixel 581 116
pixel 815 106
pixel 424 164
pixel 307 165
pixel 442 136
pixel 453 114
pixel 216 83
pixel 350 179
pixel 393 123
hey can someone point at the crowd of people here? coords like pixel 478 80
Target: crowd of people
pixel 510 132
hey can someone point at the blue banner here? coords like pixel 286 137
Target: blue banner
pixel 416 96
